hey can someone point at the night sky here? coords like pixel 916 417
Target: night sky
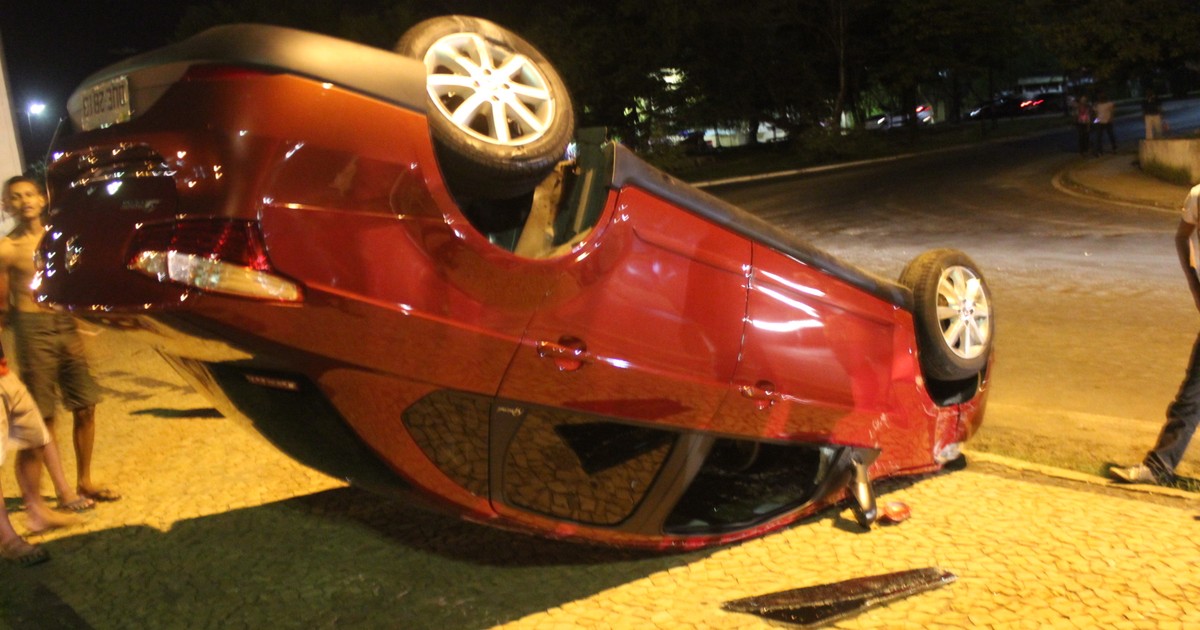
pixel 50 46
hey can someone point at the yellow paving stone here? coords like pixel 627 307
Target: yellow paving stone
pixel 1027 555
pixel 1105 619
pixel 952 620
pixel 1167 589
pixel 661 616
pixel 1004 615
pixel 597 613
pixel 1046 615
pixel 1177 563
pixel 1170 609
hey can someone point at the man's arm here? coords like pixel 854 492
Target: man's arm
pixel 6 300
pixel 1183 235
pixel 6 256
pixel 3 295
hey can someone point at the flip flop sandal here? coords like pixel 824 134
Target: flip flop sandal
pixel 82 504
pixel 102 495
pixel 23 553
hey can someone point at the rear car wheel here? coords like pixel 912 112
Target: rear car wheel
pixel 953 313
pixel 499 113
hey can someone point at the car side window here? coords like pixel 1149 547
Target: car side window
pixel 559 213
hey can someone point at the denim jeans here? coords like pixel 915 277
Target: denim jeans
pixel 1183 414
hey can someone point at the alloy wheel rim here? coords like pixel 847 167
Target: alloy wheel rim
pixel 963 312
pixel 490 92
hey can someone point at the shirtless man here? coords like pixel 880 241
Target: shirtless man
pixel 49 350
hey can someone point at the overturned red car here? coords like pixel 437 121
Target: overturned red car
pixel 406 269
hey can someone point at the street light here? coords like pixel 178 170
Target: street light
pixel 36 108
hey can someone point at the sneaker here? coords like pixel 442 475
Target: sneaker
pixel 1133 474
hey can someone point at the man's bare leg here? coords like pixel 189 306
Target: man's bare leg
pixel 85 439
pixel 67 496
pixel 7 533
pixel 29 476
pixel 12 546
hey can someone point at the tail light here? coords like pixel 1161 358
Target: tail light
pixel 222 256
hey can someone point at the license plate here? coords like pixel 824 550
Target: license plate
pixel 105 104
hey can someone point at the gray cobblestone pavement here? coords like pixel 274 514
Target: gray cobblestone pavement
pixel 217 529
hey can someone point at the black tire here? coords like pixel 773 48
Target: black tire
pixel 947 352
pixel 478 158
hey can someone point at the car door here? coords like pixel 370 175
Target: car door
pixel 637 338
pixel 819 362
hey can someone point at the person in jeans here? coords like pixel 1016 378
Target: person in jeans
pixel 1083 123
pixel 1183 414
pixel 1105 110
pixel 1152 115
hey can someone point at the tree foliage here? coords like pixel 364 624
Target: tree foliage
pixel 363 21
pixel 1120 39
pixel 651 67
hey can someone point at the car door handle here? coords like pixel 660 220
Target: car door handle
pixel 762 393
pixel 568 353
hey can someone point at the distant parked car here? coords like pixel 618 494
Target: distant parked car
pixel 999 107
pixel 1049 102
pixel 1006 106
pixel 383 263
pixel 923 115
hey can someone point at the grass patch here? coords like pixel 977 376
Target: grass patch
pixel 1172 174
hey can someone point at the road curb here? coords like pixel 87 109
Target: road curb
pixel 824 168
pixel 1067 183
pixel 1072 475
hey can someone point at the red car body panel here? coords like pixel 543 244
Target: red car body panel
pixel 660 319
pixel 487 383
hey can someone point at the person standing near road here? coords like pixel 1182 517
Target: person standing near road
pixel 49 349
pixel 1105 109
pixel 22 429
pixel 1152 115
pixel 1083 123
pixel 1183 414
pixel 8 222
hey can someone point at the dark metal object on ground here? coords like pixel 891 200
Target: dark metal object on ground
pixel 813 606
pixel 862 494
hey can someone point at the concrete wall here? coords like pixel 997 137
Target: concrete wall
pixel 1181 155
pixel 10 152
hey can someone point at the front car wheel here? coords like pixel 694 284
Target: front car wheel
pixel 952 312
